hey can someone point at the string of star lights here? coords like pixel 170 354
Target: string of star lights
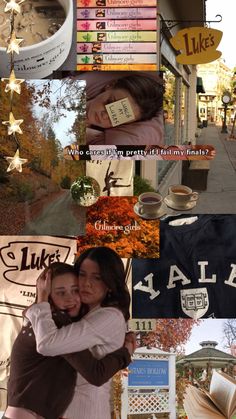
pixel 13 85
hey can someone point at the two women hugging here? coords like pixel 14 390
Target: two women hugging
pixel 73 341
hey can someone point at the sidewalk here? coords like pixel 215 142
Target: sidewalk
pixel 220 196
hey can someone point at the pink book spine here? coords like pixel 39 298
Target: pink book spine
pixel 116 3
pixel 130 13
pixel 115 47
pixel 117 25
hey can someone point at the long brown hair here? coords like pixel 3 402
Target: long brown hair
pixel 112 274
pixel 146 90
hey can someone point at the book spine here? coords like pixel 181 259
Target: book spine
pixel 117 59
pixel 99 47
pixel 116 3
pixel 127 36
pixel 130 13
pixel 117 25
pixel 117 67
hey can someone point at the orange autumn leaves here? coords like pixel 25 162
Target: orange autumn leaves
pixel 169 334
pixel 112 222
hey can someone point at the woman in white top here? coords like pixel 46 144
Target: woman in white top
pixel 102 288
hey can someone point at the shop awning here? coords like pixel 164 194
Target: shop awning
pixel 200 87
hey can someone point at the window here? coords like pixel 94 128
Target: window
pixel 169 106
pixel 169 110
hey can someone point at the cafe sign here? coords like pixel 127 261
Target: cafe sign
pixel 197 45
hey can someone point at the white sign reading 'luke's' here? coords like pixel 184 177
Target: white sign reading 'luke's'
pixel 22 259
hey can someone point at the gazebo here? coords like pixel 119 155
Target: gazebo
pixel 200 364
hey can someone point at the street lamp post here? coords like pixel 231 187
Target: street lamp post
pixel 226 98
pixel 224 126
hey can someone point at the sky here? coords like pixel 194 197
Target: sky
pixel 209 329
pixel 227 9
pixel 64 124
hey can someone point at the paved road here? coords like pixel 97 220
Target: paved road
pixel 220 196
pixel 57 219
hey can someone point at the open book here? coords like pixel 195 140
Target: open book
pixel 220 402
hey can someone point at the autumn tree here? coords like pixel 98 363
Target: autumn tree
pixel 30 141
pixel 170 94
pixel 56 99
pixel 78 128
pixel 53 148
pixel 60 95
pixel 169 334
pixel 229 329
pixel 172 335
pixel 118 211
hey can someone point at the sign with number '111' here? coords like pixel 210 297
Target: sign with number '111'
pixel 141 325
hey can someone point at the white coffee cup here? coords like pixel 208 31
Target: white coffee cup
pixel 149 203
pixel 40 60
pixel 182 195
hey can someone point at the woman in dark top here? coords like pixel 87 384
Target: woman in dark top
pixel 41 387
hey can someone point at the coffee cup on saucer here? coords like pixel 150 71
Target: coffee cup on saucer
pixel 182 195
pixel 149 203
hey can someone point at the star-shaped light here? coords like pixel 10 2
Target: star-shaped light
pixel 14 43
pixel 13 124
pixel 15 162
pixel 13 6
pixel 14 84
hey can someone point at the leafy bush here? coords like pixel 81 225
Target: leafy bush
pixel 4 176
pixel 142 185
pixel 23 191
pixel 65 182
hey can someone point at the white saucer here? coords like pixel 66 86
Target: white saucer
pixel 161 211
pixel 190 205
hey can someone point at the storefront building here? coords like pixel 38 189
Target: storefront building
pixel 180 100
pixel 216 78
